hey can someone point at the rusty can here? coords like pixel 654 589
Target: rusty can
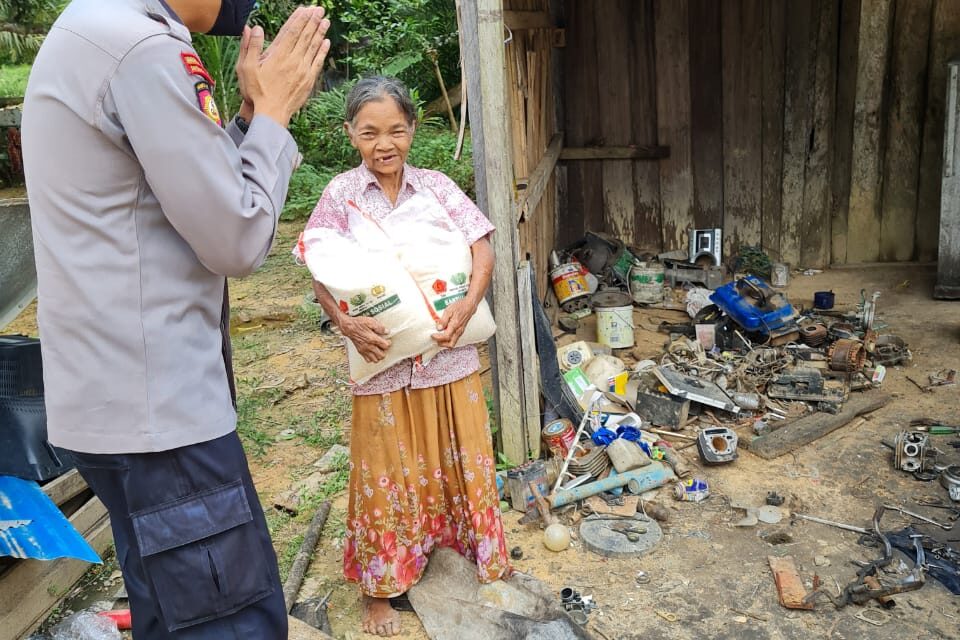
pixel 558 436
pixel 569 283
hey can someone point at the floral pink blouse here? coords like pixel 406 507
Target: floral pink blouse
pixel 361 186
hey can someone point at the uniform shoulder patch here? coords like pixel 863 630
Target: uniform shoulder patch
pixel 194 66
pixel 207 104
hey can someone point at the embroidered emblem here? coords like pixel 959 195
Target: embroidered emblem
pixel 194 66
pixel 207 103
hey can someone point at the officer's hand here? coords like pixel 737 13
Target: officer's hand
pixel 367 335
pixel 278 84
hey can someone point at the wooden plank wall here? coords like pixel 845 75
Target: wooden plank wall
pixel 530 84
pixel 813 129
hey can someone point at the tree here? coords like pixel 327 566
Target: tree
pixel 23 24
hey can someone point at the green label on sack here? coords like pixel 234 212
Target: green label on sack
pixel 443 303
pixel 376 308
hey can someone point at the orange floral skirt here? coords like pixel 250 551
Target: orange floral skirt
pixel 422 475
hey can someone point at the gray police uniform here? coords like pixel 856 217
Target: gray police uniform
pixel 141 205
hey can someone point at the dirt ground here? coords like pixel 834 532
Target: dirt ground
pixel 708 578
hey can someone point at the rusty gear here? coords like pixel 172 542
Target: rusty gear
pixel 847 355
pixel 814 335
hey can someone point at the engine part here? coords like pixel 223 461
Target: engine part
pixel 847 355
pixel 871 583
pixel 842 330
pixel 814 335
pixel 910 449
pixel 717 445
pixel 950 479
pixel 706 243
pixel 695 389
pixel 805 385
pixel 917 516
pixel 867 309
pixel 678 273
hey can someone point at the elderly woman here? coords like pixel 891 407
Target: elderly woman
pixel 422 467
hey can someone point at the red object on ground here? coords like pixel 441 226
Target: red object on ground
pixel 120 616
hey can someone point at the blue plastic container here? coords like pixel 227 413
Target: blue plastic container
pixel 753 304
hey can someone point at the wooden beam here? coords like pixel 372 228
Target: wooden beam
pixel 66 487
pixel 811 427
pixel 864 218
pixel 530 197
pixel 485 69
pixel 530 365
pixel 519 20
pixel 843 127
pixel 645 152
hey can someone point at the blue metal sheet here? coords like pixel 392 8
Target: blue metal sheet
pixel 48 535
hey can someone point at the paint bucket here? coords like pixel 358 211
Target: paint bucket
pixel 569 282
pixel 779 274
pixel 623 263
pixel 558 436
pixel 646 282
pixel 823 300
pixel 614 311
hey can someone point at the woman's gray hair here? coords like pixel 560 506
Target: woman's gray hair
pixel 377 88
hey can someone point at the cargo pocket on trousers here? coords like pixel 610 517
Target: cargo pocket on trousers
pixel 204 555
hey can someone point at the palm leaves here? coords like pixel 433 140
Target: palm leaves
pixel 23 23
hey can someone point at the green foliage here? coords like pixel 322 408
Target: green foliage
pixel 23 24
pixel 219 56
pixel 13 80
pixel 433 148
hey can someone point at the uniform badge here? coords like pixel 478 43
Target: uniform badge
pixel 194 66
pixel 207 104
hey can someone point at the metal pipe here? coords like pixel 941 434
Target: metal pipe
pixel 654 475
pixel 830 523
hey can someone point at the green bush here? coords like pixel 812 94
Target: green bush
pixel 13 80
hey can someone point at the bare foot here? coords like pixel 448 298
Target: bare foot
pixel 379 618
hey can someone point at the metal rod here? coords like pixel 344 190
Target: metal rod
pixel 576 440
pixel 892 507
pixel 830 523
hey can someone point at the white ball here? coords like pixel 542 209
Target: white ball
pixel 556 537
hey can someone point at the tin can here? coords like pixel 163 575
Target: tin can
pixel 646 282
pixel 558 436
pixel 691 490
pixel 779 274
pixel 569 282
pixel 614 311
pixel 518 482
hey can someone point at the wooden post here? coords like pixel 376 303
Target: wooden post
pixel 948 269
pixel 531 366
pixel 484 66
pixel 944 44
pixel 672 35
pixel 901 172
pixel 863 222
pixel 815 227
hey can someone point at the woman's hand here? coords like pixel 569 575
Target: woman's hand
pixel 366 334
pixel 453 321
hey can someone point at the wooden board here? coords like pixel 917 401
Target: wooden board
pixel 849 34
pixel 635 152
pixel 944 44
pixel 814 426
pixel 672 43
pixel 772 88
pixel 742 28
pixel 706 113
pixel 615 98
pixel 581 125
pixel 529 364
pixel 540 178
pixel 901 172
pixel 815 227
pixel 863 222
pixel 802 28
pixel 483 33
pixel 32 589
pixel 65 488
pixel 643 115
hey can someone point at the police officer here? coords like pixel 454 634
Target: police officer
pixel 142 204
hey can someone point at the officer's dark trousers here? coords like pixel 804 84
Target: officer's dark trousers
pixel 192 542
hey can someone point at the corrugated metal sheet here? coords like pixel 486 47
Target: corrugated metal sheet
pixel 31 525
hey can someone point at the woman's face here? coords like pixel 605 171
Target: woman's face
pixel 382 135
